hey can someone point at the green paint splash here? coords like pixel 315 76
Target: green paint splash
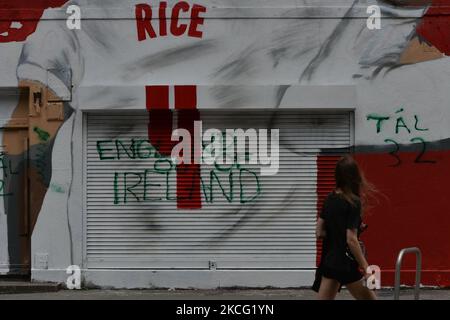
pixel 42 134
pixel 57 188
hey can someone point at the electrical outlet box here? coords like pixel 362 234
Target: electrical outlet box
pixel 41 261
pixel 212 265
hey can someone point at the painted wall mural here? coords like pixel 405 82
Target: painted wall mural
pixel 226 54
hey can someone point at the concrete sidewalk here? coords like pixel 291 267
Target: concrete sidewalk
pixel 222 294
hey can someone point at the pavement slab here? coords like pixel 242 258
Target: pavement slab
pixel 219 294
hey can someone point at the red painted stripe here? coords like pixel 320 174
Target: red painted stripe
pixel 188 175
pixel 160 119
pixel 188 186
pixel 157 97
pixel 186 97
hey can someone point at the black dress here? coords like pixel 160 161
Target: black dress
pixel 337 262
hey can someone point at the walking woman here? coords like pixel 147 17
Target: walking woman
pixel 343 262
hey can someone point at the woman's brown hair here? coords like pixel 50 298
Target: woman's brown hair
pixel 351 181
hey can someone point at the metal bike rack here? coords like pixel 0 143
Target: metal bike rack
pixel 398 267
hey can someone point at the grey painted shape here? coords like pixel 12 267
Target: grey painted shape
pixel 168 57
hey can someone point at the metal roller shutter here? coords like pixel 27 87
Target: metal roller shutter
pixel 246 221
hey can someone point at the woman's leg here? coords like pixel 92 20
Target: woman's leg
pixel 360 292
pixel 328 289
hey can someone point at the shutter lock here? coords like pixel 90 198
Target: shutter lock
pixel 212 265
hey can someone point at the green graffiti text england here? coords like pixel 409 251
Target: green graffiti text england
pixel 157 181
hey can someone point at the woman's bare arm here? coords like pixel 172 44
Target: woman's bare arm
pixel 320 229
pixel 355 248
